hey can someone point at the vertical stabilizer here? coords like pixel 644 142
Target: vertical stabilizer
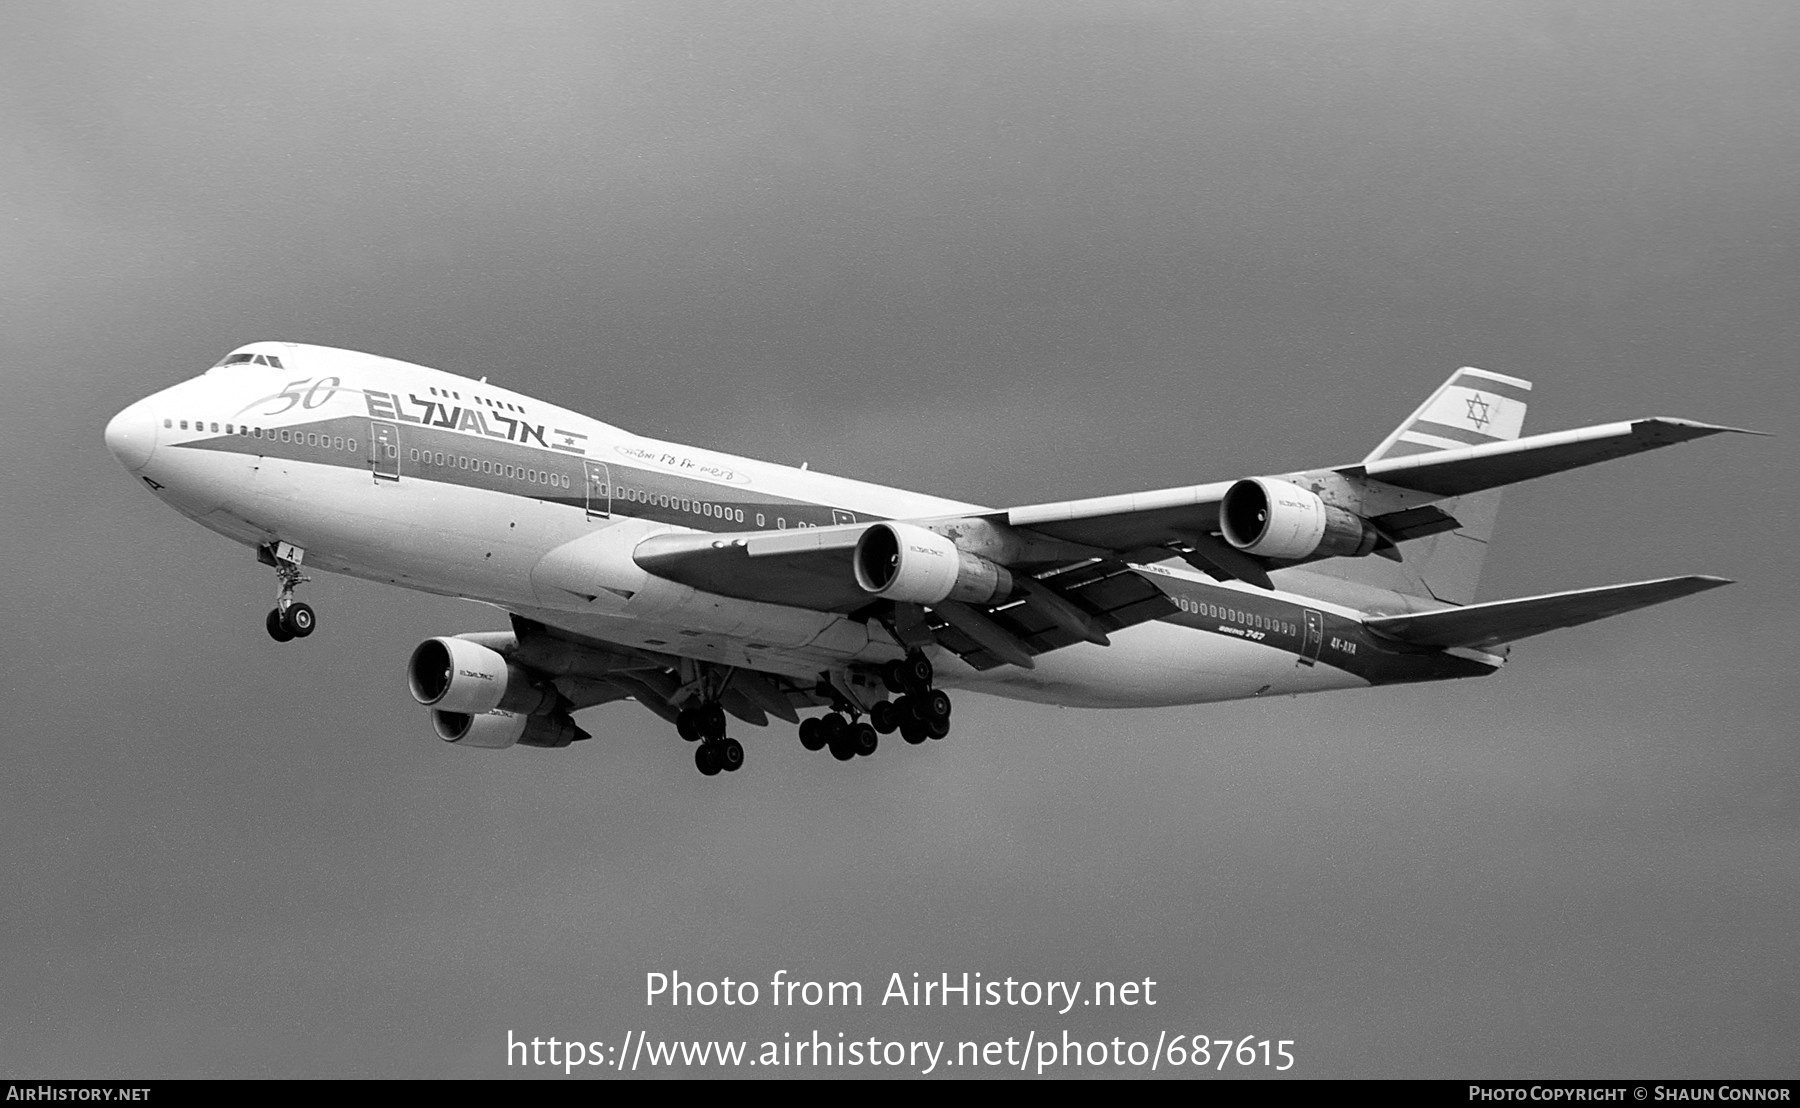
pixel 1473 407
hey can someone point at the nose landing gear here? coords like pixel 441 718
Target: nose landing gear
pixel 295 623
pixel 289 619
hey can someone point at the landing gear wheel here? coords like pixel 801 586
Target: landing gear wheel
pixel 936 728
pixel 916 672
pixel 299 620
pixel 277 626
pixel 883 717
pixel 812 734
pixel 893 675
pixel 862 739
pixel 731 755
pixel 933 705
pixel 912 730
pixel 710 721
pixel 838 736
pixel 706 759
pixel 685 727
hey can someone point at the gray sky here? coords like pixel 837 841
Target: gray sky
pixel 1008 252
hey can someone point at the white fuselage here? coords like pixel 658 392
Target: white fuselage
pixel 299 452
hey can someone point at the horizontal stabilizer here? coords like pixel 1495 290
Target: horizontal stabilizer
pixel 1503 621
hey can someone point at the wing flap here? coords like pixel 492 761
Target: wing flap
pixel 1113 595
pixel 1504 621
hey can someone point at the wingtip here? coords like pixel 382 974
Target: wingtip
pixel 1708 428
pixel 1698 582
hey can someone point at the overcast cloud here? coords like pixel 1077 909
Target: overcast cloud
pixel 1007 252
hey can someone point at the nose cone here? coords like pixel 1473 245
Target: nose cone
pixel 131 436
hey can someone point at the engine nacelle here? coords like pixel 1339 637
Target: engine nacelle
pixel 1279 519
pixel 498 730
pixel 899 561
pixel 462 677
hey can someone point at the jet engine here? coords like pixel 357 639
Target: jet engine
pixel 498 730
pixel 459 677
pixel 1279 519
pixel 902 562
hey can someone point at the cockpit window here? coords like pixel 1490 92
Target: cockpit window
pixel 249 359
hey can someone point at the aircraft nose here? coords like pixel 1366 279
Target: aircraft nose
pixel 131 436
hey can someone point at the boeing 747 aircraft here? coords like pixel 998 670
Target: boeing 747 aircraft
pixel 705 586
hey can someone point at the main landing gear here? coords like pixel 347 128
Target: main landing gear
pixel 846 740
pixel 289 619
pixel 705 724
pixel 921 712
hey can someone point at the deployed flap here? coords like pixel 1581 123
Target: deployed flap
pixel 807 567
pixel 1109 595
pixel 1503 621
pixel 1490 465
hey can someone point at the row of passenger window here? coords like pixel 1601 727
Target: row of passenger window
pixel 680 504
pixel 454 395
pixel 1234 615
pixel 697 507
pixel 299 438
pixel 478 465
pixel 517 473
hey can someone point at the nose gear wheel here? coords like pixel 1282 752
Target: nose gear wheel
pixel 289 619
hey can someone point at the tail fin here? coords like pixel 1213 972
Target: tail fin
pixel 1474 406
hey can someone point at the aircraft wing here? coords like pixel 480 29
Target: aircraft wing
pixel 1490 465
pixel 1504 621
pixel 807 567
pixel 1126 522
pixel 1088 587
pixel 1122 523
pixel 811 568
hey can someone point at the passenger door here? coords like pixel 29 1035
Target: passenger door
pixel 1315 638
pixel 599 491
pixel 384 450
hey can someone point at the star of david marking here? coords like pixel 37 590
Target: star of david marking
pixel 1478 412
